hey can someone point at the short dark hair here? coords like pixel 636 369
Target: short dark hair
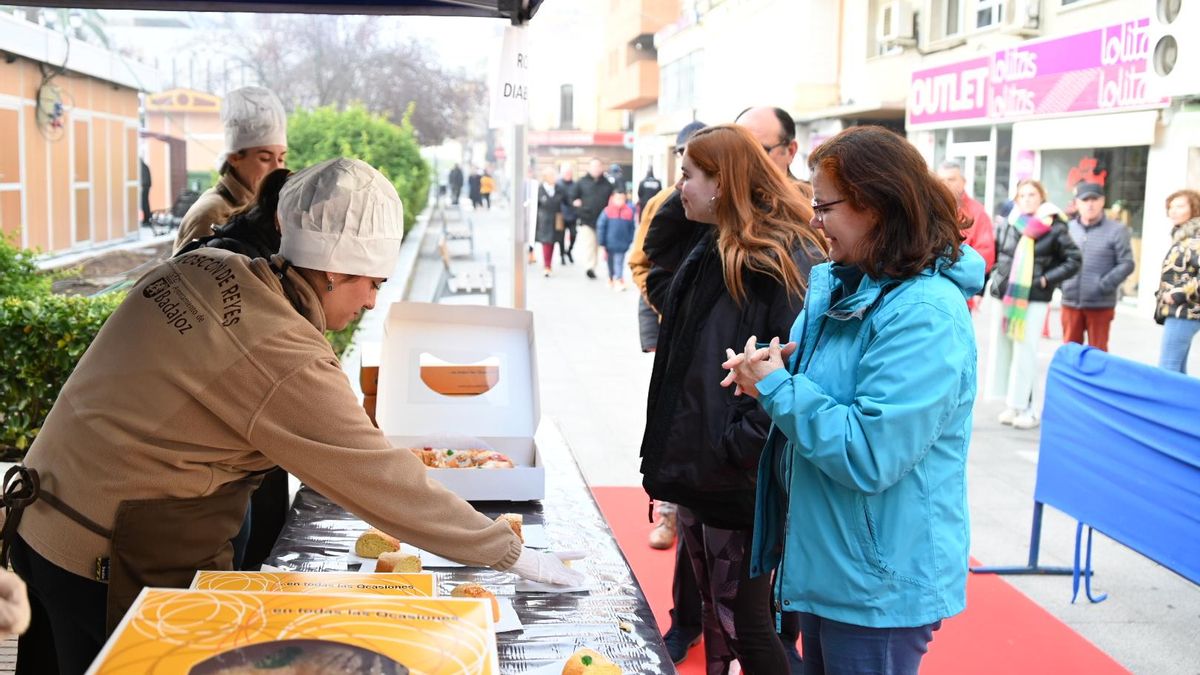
pixel 786 123
pixel 877 170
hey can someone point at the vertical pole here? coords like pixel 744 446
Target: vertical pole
pixel 1035 535
pixel 519 225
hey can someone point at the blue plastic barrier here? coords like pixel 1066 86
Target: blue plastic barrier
pixel 1120 452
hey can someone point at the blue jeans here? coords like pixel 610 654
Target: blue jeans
pixel 836 648
pixel 616 265
pixel 1176 343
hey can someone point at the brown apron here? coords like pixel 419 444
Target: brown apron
pixel 159 543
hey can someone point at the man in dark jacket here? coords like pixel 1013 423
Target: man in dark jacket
pixel 591 196
pixel 566 188
pixel 456 184
pixel 649 187
pixel 1089 298
pixel 146 181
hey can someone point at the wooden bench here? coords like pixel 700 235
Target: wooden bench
pixel 464 278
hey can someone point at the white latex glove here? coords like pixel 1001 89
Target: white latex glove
pixel 547 567
pixel 14 605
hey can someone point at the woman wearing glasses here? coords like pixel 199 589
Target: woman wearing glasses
pixel 746 276
pixel 862 509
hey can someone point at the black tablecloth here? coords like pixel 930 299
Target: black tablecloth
pixel 319 536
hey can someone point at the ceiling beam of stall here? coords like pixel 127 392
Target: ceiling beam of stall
pixel 517 11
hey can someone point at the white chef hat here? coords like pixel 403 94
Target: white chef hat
pixel 252 117
pixel 341 216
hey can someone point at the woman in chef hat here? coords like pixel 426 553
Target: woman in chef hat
pixel 255 145
pixel 142 471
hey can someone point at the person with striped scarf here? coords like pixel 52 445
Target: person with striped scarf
pixel 1034 255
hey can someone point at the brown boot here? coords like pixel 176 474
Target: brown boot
pixel 662 536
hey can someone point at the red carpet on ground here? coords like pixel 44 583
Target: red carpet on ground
pixel 1002 631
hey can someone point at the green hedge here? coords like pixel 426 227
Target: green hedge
pixel 44 337
pixel 317 135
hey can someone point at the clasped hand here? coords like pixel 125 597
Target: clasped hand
pixel 747 369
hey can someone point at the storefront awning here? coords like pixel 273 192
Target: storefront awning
pixel 874 110
pixel 519 11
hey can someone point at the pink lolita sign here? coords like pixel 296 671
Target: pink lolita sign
pixel 1100 70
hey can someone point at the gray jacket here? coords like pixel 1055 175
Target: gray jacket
pixel 1107 261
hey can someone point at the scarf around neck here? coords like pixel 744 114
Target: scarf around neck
pixel 1020 283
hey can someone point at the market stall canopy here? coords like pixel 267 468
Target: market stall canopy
pixel 518 11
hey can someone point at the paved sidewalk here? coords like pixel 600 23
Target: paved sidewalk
pixel 593 384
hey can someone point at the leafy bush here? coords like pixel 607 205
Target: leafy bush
pixel 341 339
pixel 19 274
pixel 44 336
pixel 325 133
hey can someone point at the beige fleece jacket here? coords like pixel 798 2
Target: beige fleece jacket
pixel 207 372
pixel 212 209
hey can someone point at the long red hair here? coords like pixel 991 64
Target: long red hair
pixel 761 215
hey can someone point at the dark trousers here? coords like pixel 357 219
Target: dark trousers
pixel 268 509
pixel 572 228
pixel 455 193
pixel 68 627
pixel 836 648
pixel 1094 323
pixel 738 621
pixel 647 325
pixel 687 613
pixel 145 207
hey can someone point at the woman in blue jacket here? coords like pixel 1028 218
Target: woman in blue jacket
pixel 862 502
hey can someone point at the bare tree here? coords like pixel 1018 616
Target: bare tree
pixel 312 61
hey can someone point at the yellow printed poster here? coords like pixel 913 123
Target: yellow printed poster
pixel 417 584
pixel 192 632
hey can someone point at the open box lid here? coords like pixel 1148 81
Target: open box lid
pixel 423 341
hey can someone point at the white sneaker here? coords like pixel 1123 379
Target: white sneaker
pixel 1026 420
pixel 1007 416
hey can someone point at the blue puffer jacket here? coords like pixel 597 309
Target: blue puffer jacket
pixel 871 439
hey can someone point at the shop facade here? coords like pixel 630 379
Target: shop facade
pixel 1062 109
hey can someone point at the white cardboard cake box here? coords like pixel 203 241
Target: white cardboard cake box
pixel 505 416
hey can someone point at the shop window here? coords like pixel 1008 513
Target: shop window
pixel 1000 189
pixel 1121 171
pixel 952 24
pixel 82 148
pixel 566 107
pixel 677 90
pixel 989 13
pixel 10 159
pixel 83 215
pixel 10 213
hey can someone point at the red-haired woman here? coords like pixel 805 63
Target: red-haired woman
pixel 746 276
pixel 862 495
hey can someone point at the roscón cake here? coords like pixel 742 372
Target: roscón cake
pixel 470 590
pixel 395 561
pixel 373 542
pixel 590 662
pixel 516 521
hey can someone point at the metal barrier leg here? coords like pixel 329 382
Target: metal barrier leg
pixel 1087 568
pixel 1035 543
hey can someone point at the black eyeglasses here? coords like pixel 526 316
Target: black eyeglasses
pixel 819 208
pixel 771 149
